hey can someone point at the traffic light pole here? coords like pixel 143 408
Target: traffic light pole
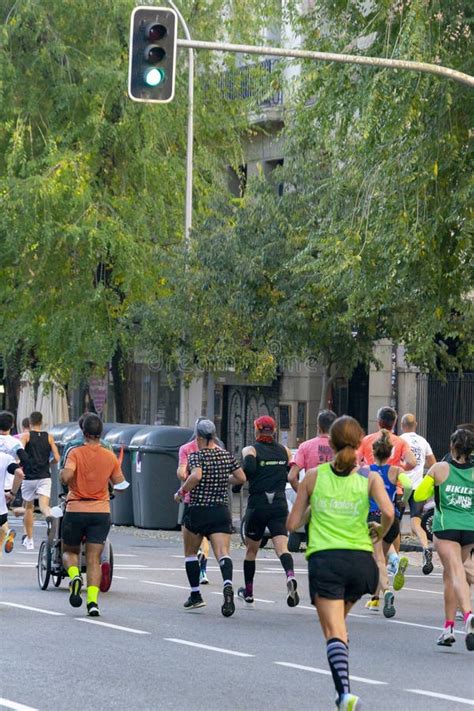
pixel 188 211
pixel 405 65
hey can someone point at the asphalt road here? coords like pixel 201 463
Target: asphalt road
pixel 145 652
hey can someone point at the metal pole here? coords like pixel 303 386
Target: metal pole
pixel 403 64
pixel 188 210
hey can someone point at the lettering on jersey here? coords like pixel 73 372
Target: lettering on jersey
pixel 453 489
pixel 460 502
pixel 349 508
pixel 267 463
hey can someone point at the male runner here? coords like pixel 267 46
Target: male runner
pixel 12 446
pixel 314 451
pixel 41 449
pixel 424 460
pixel 87 472
pixel 265 464
pixel 8 467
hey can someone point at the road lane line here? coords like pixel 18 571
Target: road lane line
pixel 417 624
pixel 257 599
pixel 446 697
pixel 108 624
pixel 15 706
pixel 125 555
pixel 33 609
pixel 165 585
pixel 206 646
pixel 25 566
pixel 430 592
pixel 316 670
pixel 119 577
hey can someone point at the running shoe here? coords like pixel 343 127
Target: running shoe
pixel 469 629
pixel 93 609
pixel 427 561
pixel 388 606
pixel 29 544
pixel 373 604
pixel 248 599
pixel 228 606
pixel 392 565
pixel 349 702
pixel 8 541
pixel 446 638
pixel 194 601
pixel 75 587
pixel 23 539
pixel 292 598
pixel 399 577
pixel 203 579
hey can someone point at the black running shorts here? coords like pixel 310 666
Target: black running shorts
pixel 206 520
pixel 342 575
pixel 392 532
pixel 3 519
pixel 464 538
pixel 416 507
pixel 271 516
pixel 93 527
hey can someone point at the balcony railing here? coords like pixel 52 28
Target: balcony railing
pixel 260 83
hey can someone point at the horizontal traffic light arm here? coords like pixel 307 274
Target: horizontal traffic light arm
pixel 402 64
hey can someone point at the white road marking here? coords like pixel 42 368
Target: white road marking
pixel 125 555
pixel 446 697
pixel 206 646
pixel 257 599
pixel 119 577
pixel 108 624
pixel 25 566
pixel 166 585
pixel 33 609
pixel 328 673
pixel 15 706
pixel 417 624
pixel 430 592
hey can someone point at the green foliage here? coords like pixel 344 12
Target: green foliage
pixel 372 237
pixel 92 185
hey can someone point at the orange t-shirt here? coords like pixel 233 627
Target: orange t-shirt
pixel 365 452
pixel 93 467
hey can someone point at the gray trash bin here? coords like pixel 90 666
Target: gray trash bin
pixel 119 437
pixel 61 434
pixel 154 481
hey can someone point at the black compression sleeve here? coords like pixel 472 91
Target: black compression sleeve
pixel 250 465
pixel 11 469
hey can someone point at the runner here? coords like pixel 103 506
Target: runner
pixel 401 456
pixel 87 472
pixel 453 525
pixel 182 474
pixel 8 467
pixel 382 448
pixel 212 469
pixel 12 446
pixel 41 449
pixel 341 565
pixel 314 451
pixel 266 468
pixel 424 460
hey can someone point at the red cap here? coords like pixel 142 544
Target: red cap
pixel 265 423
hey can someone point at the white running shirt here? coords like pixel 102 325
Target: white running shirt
pixel 5 460
pixel 421 449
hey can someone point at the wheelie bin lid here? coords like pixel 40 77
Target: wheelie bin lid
pixel 58 431
pixel 160 438
pixel 121 435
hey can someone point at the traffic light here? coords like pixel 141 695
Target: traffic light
pixel 151 72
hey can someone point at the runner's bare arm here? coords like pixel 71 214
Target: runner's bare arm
pixel 237 477
pixel 377 491
pixel 300 513
pixel 293 476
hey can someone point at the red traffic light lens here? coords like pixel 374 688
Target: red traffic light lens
pixel 154 54
pixel 156 32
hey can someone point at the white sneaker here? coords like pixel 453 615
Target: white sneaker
pixel 29 544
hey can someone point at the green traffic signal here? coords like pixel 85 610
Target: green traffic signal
pixel 154 76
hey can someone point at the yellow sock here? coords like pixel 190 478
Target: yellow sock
pixel 92 594
pixel 73 571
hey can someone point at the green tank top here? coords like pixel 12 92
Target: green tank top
pixel 455 501
pixel 339 510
